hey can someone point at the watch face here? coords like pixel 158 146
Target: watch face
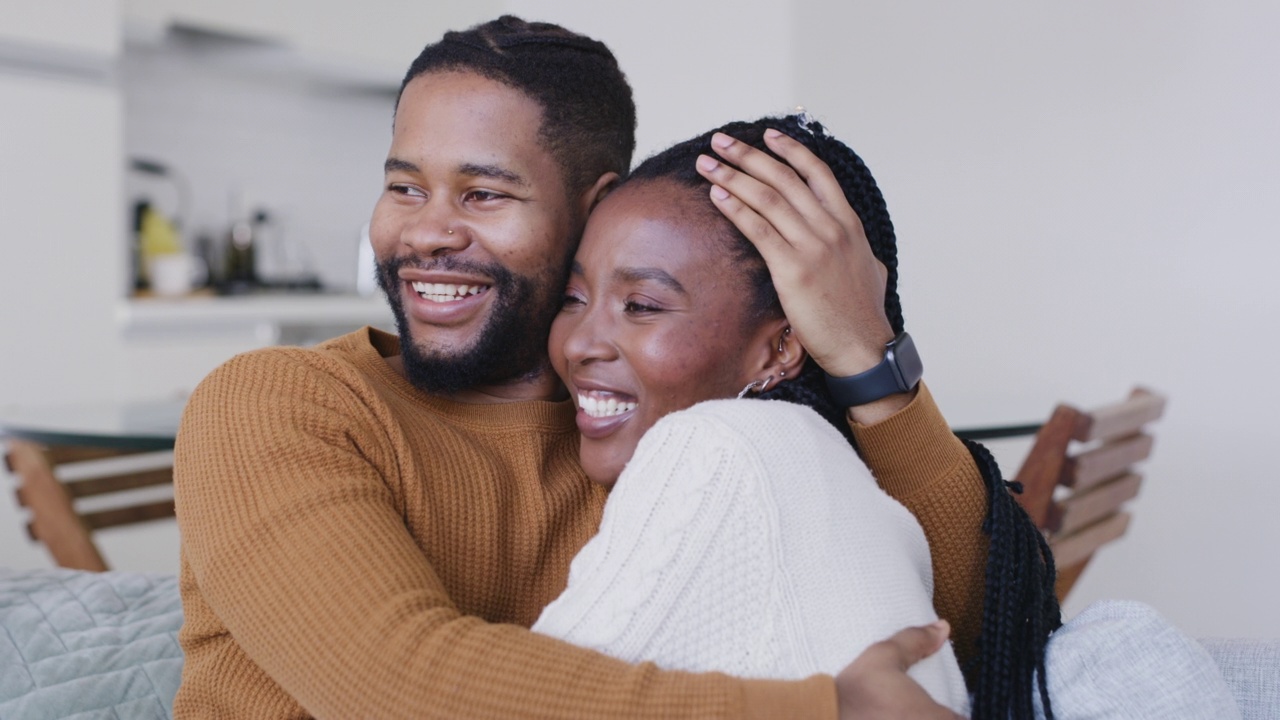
pixel 905 361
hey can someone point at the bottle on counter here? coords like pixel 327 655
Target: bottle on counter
pixel 240 269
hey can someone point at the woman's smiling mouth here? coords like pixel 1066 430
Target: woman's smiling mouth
pixel 601 412
pixel 598 404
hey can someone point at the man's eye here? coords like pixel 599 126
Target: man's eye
pixel 483 195
pixel 402 189
pixel 638 308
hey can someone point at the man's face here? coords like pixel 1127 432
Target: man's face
pixel 472 233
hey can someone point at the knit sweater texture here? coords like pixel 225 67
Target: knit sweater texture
pixel 353 547
pixel 747 536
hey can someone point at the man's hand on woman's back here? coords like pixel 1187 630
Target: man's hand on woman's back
pixel 876 686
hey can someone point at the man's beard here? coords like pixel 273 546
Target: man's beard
pixel 511 345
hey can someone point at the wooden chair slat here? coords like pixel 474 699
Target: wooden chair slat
pixel 127 515
pixel 1106 462
pixel 61 455
pixel 118 483
pixel 53 518
pixel 1122 418
pixel 1043 466
pixel 1085 508
pixel 1078 546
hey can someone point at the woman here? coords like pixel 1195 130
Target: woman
pixel 762 510
pixel 746 536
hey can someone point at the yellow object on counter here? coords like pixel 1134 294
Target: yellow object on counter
pixel 157 236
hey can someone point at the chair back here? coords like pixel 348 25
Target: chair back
pixel 1079 474
pixel 98 488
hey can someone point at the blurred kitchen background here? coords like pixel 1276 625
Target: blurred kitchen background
pixel 1084 195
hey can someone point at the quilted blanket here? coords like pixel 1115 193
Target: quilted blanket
pixel 88 646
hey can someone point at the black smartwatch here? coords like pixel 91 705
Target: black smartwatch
pixel 899 371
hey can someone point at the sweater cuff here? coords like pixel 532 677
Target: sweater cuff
pixel 813 697
pixel 912 448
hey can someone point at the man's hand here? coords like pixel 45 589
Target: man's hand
pixel 830 284
pixel 876 685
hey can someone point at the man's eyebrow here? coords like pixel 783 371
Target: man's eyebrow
pixel 396 164
pixel 492 171
pixel 649 273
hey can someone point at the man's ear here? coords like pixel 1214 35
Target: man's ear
pixel 594 194
pixel 775 352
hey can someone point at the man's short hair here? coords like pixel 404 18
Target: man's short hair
pixel 588 115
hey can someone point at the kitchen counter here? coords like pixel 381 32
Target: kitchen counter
pixel 272 316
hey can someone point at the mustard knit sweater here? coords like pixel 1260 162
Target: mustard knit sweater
pixel 352 547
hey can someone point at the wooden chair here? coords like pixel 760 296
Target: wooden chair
pixel 1080 473
pixel 55 520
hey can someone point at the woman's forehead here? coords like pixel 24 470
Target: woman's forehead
pixel 657 217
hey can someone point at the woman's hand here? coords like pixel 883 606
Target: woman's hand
pixel 876 684
pixel 830 284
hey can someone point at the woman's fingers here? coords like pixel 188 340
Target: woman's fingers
pixel 816 174
pixel 769 173
pixel 810 188
pixel 830 284
pixel 760 204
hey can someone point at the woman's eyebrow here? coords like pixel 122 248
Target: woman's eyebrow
pixel 657 275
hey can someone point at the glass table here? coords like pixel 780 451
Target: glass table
pixel 137 427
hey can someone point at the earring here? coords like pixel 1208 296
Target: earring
pixel 782 374
pixel 758 386
pixel 783 339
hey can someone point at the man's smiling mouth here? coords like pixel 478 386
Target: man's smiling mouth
pixel 447 292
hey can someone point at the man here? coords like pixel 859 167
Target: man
pixel 369 526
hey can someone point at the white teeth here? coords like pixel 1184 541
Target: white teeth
pixel 602 406
pixel 445 292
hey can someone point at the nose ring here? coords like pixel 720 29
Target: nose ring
pixel 449 230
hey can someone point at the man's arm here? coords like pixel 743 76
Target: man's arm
pixel 296 545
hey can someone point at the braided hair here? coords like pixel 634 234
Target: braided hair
pixel 1020 606
pixel 588 115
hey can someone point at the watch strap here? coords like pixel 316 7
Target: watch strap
pixel 899 371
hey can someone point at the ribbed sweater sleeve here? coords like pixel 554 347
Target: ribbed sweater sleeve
pixel 306 593
pixel 920 463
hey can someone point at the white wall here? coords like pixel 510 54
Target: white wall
pixel 309 153
pixel 1084 195
pixel 1081 193
pixel 692 66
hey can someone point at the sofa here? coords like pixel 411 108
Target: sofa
pixel 104 645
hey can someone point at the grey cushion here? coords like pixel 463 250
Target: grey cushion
pixel 1252 671
pixel 88 646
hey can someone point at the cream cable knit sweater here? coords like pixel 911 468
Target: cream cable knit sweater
pixel 746 536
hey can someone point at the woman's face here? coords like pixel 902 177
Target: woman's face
pixel 654 320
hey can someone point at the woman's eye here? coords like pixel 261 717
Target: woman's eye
pixel 570 301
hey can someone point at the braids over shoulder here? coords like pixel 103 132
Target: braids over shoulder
pixel 1020 606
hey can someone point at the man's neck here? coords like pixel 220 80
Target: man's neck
pixel 541 384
